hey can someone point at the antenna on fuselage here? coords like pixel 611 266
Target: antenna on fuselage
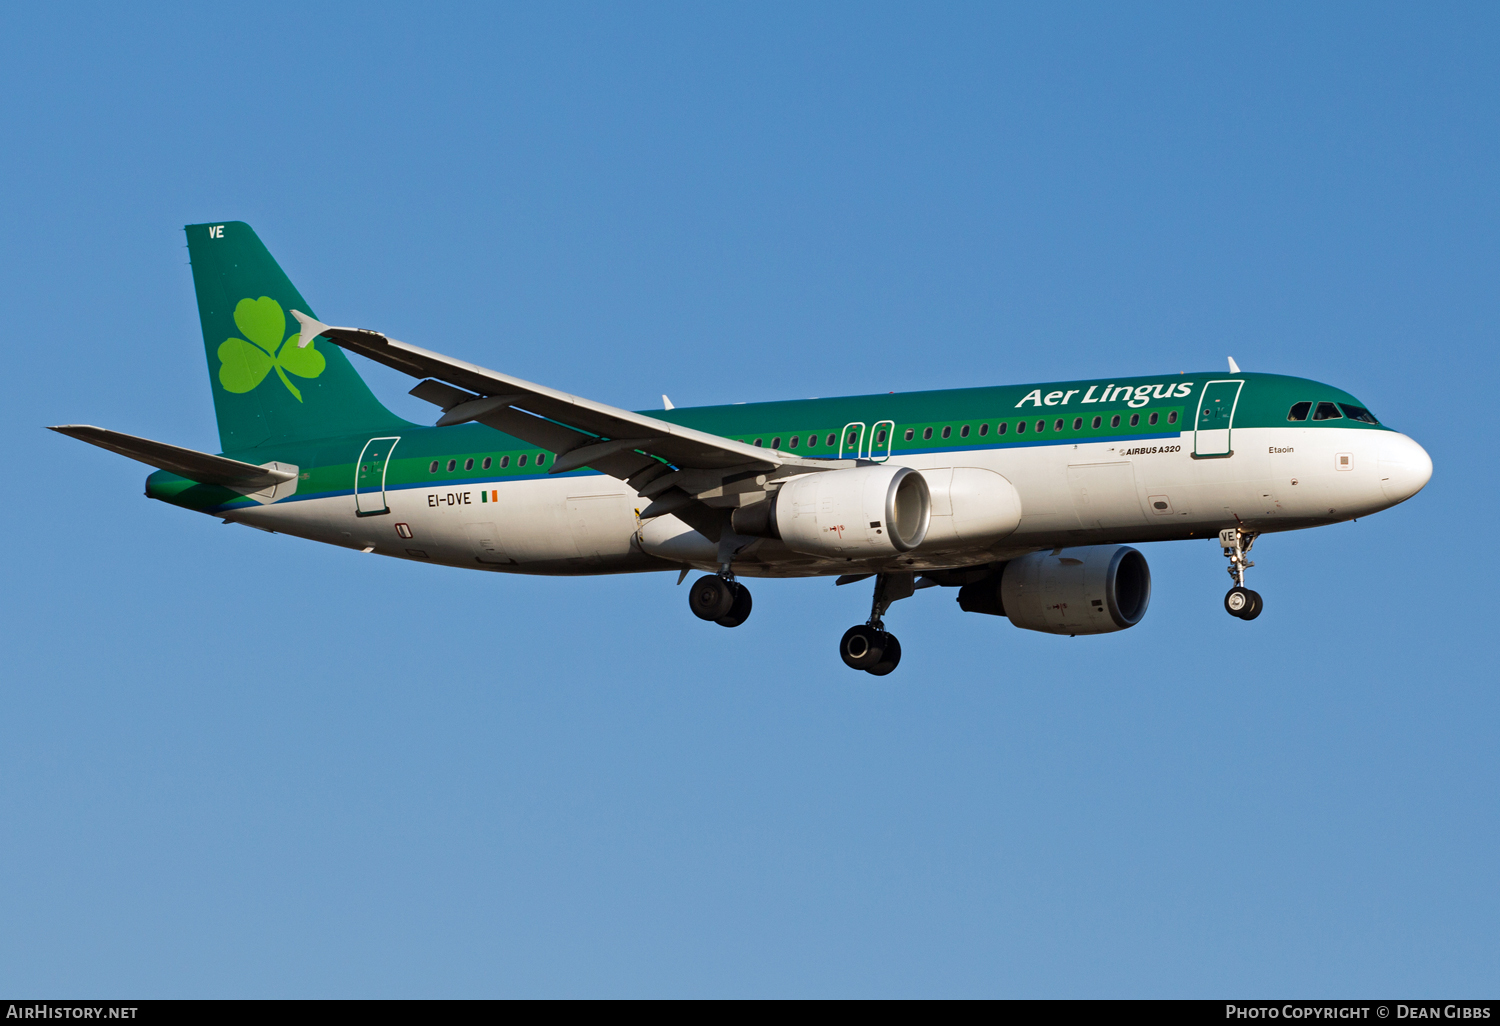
pixel 1234 368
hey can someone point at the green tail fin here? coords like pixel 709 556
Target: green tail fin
pixel 266 390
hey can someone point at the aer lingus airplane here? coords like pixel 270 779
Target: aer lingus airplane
pixel 1023 497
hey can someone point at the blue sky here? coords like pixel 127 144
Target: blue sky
pixel 233 764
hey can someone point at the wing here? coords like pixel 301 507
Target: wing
pixel 676 466
pixel 189 463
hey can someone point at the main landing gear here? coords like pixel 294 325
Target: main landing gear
pixel 1240 601
pixel 720 598
pixel 869 646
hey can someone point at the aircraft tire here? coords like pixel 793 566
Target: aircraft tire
pixel 740 611
pixel 1238 600
pixel 889 659
pixel 862 647
pixel 710 597
pixel 1254 608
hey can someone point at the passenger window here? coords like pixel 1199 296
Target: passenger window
pixel 1152 419
pixel 1358 413
pixel 1020 427
pixel 1000 428
pixel 984 429
pixel 486 464
pixel 1041 425
pixel 469 463
pixel 541 458
pixel 759 442
pixel 1299 411
pixel 926 434
pixel 963 432
pixel 831 437
pixel 451 465
pixel 504 462
pixel 853 439
pixel 776 442
pixel 521 462
pixel 1327 411
pixel 947 431
pixel 1077 423
pixel 1114 421
pixel 1172 417
pixel 880 438
pixel 1059 425
pixel 433 469
pixel 910 434
pixel 1097 422
pixel 1135 418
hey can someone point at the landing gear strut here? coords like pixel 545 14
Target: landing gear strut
pixel 1240 601
pixel 869 646
pixel 720 598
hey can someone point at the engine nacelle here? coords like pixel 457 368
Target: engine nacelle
pixel 971 508
pixel 862 513
pixel 1091 589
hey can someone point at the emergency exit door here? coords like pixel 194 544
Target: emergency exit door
pixel 867 444
pixel 1215 421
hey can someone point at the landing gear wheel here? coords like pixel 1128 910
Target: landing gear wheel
pixel 1243 603
pixel 1253 610
pixel 711 598
pixel 863 647
pixel 740 611
pixel 889 660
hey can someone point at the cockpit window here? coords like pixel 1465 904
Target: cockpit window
pixel 1299 411
pixel 1358 413
pixel 1327 411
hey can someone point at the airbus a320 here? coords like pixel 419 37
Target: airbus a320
pixel 1027 499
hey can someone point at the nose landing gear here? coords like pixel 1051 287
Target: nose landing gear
pixel 869 646
pixel 1240 601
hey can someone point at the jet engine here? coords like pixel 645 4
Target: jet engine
pixel 1091 589
pixel 862 513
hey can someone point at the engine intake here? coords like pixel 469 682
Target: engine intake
pixel 1091 589
pixel 862 513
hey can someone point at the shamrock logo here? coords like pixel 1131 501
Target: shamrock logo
pixel 244 365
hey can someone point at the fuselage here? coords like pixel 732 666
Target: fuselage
pixel 1176 456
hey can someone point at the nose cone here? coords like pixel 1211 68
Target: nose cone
pixel 1405 467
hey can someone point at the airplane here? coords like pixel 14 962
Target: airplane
pixel 1027 499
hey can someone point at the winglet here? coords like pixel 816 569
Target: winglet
pixel 666 403
pixel 1234 368
pixel 311 329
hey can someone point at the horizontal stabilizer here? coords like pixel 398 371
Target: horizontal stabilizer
pixel 188 463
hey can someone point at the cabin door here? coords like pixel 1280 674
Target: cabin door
pixel 369 476
pixel 1215 419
